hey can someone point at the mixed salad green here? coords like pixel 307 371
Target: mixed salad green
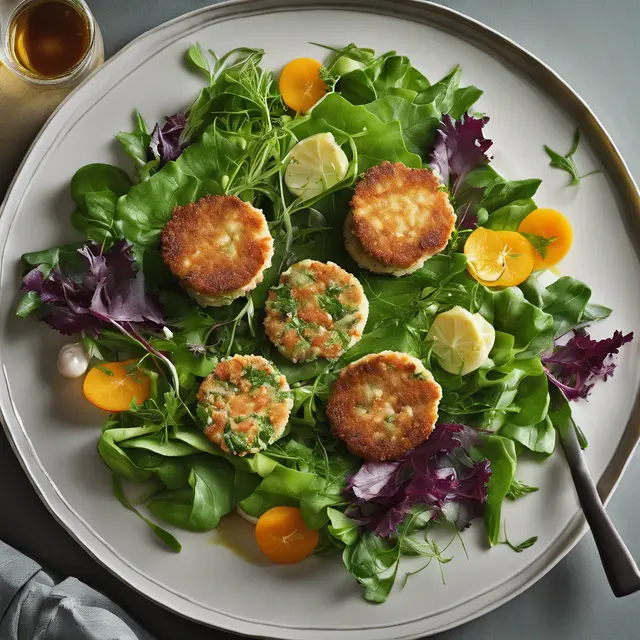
pixel 113 288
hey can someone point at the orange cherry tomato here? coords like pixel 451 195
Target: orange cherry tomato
pixel 552 225
pixel 301 85
pixel 115 392
pixel 283 536
pixel 499 258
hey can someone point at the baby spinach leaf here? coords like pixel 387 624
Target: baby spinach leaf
pixel 532 399
pixel 98 177
pixel 539 438
pixel 501 193
pixel 342 527
pixel 501 452
pixel 287 482
pixel 510 312
pixel 211 496
pixel 136 144
pixel 144 211
pixel 418 122
pixel 510 215
pixel 560 415
pixel 95 189
pixel 169 448
pixel 314 503
pixel 260 501
pixel 567 302
pixel 28 303
pixel 374 140
pixel 373 562
pixel 116 458
pixel 161 533
pixel 95 219
pixel 595 312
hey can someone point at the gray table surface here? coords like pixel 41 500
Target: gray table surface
pixel 593 44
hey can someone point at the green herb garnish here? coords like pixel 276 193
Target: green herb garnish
pixel 519 489
pixel 566 162
pixel 540 243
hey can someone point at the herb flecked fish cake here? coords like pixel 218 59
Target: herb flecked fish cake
pixel 247 403
pixel 317 311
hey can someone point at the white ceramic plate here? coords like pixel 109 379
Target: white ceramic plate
pixel 54 431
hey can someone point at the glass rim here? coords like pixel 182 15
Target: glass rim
pixel 31 77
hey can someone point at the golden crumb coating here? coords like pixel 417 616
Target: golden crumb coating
pixel 384 405
pixel 219 247
pixel 400 216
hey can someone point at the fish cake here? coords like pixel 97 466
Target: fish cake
pixel 384 405
pixel 219 247
pixel 318 311
pixel 247 403
pixel 399 218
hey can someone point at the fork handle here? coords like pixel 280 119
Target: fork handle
pixel 619 565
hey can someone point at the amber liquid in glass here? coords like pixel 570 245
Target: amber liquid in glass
pixel 49 37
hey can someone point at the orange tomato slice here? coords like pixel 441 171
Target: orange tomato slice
pixel 115 392
pixel 552 225
pixel 499 258
pixel 301 85
pixel 283 536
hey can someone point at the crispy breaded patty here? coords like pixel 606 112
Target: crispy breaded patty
pixel 317 311
pixel 384 405
pixel 399 218
pixel 247 402
pixel 219 247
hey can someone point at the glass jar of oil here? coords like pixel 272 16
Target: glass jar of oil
pixel 50 42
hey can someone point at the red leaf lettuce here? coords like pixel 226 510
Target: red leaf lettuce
pixel 439 474
pixel 459 147
pixel 575 366
pixel 109 291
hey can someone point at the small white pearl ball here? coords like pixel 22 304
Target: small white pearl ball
pixel 73 360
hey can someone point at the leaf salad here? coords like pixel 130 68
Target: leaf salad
pixel 150 344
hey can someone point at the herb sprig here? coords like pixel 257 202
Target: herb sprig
pixel 566 162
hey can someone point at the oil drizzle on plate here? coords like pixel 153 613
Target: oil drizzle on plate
pixel 238 536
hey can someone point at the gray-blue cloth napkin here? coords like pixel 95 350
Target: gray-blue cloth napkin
pixel 36 605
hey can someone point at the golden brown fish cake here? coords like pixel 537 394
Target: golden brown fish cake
pixel 247 402
pixel 400 216
pixel 318 310
pixel 219 247
pixel 384 405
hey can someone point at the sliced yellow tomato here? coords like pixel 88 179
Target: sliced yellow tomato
pixel 499 258
pixel 552 226
pixel 283 536
pixel 116 390
pixel 301 85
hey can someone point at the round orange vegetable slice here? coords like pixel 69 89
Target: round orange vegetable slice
pixel 283 536
pixel 555 233
pixel 115 391
pixel 499 258
pixel 301 85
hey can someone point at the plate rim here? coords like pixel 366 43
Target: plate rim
pixel 440 17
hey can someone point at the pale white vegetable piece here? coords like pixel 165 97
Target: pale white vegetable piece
pixel 316 164
pixel 245 516
pixel 73 360
pixel 461 340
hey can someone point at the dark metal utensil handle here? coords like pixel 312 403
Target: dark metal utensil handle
pixel 619 565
